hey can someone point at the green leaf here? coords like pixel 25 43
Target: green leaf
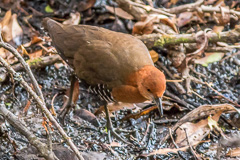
pixel 48 9
pixel 209 58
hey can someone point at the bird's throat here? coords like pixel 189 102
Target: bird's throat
pixel 127 94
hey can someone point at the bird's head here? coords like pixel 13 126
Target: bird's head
pixel 152 84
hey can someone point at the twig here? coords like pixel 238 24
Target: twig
pixel 178 100
pixel 180 88
pixel 14 121
pixel 190 146
pixel 42 105
pixel 229 100
pixel 170 133
pixel 147 129
pixel 183 8
pixel 151 40
pixel 40 62
pixel 24 64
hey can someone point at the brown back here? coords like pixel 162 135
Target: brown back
pixel 98 55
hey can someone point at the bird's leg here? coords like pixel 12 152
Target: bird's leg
pixel 69 104
pixel 110 128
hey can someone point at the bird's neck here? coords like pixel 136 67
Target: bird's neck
pixel 127 94
pixel 136 77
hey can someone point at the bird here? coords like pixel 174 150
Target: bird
pixel 116 66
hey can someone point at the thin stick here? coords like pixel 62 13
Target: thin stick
pixel 24 64
pixel 229 100
pixel 42 106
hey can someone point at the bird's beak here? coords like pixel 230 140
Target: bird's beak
pixel 158 102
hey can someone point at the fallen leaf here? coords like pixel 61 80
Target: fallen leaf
pixel 114 144
pixel 35 39
pixel 234 152
pixel 154 55
pixel 114 107
pixel 8 56
pixel 35 54
pixel 87 116
pixel 17 31
pixel 48 9
pixel 11 30
pixel 184 18
pixel 152 22
pixel 196 131
pixel 218 29
pixel 74 19
pixel 27 106
pixel 209 58
pixel 85 4
pixel 119 12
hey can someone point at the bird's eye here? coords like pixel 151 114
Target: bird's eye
pixel 148 90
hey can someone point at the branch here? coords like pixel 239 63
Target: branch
pixel 24 64
pixel 39 62
pixel 19 125
pixel 184 8
pixel 151 40
pixel 42 106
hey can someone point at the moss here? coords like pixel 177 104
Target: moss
pixel 34 61
pixel 170 40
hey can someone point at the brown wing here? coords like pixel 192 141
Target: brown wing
pixel 97 54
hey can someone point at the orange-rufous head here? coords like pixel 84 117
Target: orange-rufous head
pixel 151 83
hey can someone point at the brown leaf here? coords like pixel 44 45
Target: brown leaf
pixel 27 106
pixel 114 107
pixel 203 111
pixel 209 58
pixel 165 151
pixel 86 115
pixel 86 4
pixel 152 22
pixel 8 56
pixel 218 29
pixel 11 30
pixel 234 152
pixel 143 27
pixel 184 18
pixel 75 92
pixel 196 131
pixel 74 19
pixel 154 55
pixel 36 54
pixel 119 12
pixel 17 31
pixel 35 39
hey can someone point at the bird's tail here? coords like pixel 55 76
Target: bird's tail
pixel 48 23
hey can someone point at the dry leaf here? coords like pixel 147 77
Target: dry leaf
pixel 11 30
pixel 119 12
pixel 17 31
pixel 114 107
pixel 35 39
pixel 218 29
pixel 154 55
pixel 36 54
pixel 196 131
pixel 234 152
pixel 150 23
pixel 74 19
pixel 184 18
pixel 114 144
pixel 209 58
pixel 86 4
pixel 8 56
